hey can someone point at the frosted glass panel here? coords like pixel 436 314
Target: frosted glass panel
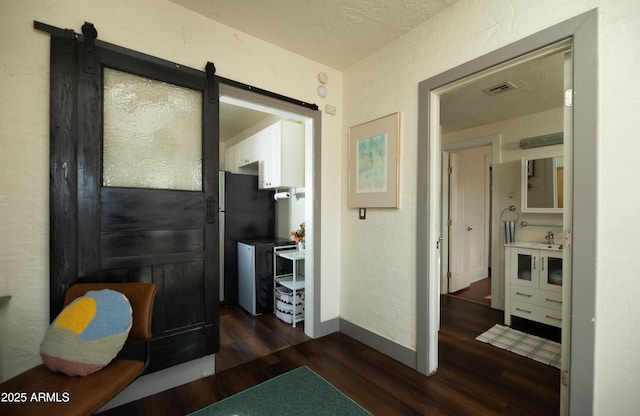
pixel 152 134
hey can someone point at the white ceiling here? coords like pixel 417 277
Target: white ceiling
pixel 540 86
pixel 338 33
pixel 234 120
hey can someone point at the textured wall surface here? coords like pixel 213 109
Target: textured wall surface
pixel 157 28
pixel 378 269
pixel 371 262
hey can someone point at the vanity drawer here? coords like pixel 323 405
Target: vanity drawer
pixel 535 296
pixel 549 316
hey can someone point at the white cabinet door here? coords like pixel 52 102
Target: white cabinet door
pixel 231 162
pixel 241 153
pixel 292 155
pixel 247 154
pixel 270 174
pixel 248 150
pixel 275 154
pixel 534 285
pixel 525 267
pixel 283 164
pixel 551 270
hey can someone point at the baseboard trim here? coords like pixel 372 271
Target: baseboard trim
pixel 327 327
pixel 193 370
pixel 163 380
pixel 396 351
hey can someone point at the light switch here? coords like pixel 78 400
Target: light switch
pixel 330 109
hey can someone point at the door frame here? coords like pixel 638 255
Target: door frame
pixel 494 141
pixel 582 30
pixel 312 118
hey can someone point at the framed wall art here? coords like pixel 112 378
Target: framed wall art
pixel 374 168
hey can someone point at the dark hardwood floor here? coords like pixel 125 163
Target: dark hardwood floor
pixel 244 338
pixel 479 292
pixel 473 378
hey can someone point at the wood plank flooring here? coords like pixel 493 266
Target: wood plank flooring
pixel 473 378
pixel 243 337
pixel 479 292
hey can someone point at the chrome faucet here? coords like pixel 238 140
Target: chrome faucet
pixel 549 237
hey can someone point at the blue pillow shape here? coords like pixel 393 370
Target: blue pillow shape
pixel 88 333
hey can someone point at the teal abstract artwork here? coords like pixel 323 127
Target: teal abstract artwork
pixel 372 164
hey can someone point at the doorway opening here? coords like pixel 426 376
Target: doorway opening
pixel 245 335
pixel 577 375
pixel 470 251
pixel 538 109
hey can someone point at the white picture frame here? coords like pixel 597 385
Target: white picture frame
pixel 374 155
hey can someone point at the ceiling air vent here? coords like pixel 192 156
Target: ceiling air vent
pixel 500 88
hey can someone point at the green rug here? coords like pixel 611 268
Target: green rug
pixel 298 392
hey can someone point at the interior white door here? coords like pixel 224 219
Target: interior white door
pixel 468 218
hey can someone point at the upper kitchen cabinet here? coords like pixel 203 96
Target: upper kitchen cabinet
pixel 283 162
pixel 275 154
pixel 248 151
pixel 244 156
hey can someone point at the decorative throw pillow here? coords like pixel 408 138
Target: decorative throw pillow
pixel 88 333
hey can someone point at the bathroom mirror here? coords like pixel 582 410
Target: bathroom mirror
pixel 542 184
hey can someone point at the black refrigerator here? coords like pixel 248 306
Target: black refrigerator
pixel 246 213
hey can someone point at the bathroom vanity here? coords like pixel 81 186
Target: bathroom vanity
pixel 533 284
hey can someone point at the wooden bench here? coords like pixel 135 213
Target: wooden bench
pixel 53 393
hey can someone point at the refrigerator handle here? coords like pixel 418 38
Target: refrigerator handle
pixel 211 210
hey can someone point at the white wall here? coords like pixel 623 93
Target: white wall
pixel 378 264
pixel 155 27
pixel 290 214
pixel 378 254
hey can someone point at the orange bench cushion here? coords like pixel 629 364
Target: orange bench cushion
pixel 68 395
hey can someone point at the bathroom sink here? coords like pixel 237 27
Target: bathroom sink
pixel 539 246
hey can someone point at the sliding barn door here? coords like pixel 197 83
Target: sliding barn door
pixel 135 185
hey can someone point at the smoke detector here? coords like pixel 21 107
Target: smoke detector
pixel 500 88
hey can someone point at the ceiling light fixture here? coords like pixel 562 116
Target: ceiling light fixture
pixel 539 141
